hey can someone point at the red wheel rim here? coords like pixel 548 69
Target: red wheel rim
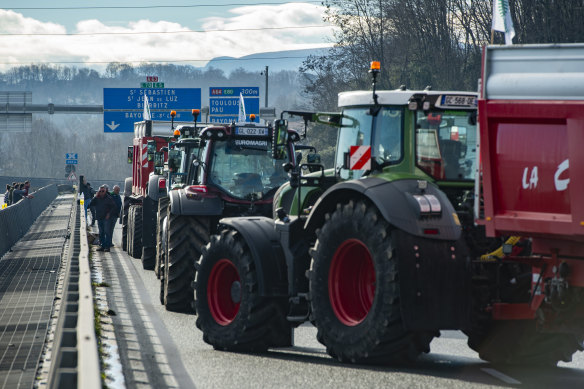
pixel 351 282
pixel 223 278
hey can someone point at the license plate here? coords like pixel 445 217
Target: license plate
pixel 460 101
pixel 251 131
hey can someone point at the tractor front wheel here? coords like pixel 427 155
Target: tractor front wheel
pixel 187 235
pixel 354 290
pixel 230 311
pixel 135 241
pixel 161 214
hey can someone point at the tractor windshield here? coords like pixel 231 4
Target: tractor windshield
pixel 446 144
pixel 244 168
pixel 383 132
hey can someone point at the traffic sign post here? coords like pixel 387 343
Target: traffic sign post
pixel 124 106
pixel 224 103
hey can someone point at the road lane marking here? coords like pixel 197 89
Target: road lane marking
pixel 503 377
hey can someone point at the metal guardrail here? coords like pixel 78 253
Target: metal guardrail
pixel 76 360
pixel 16 219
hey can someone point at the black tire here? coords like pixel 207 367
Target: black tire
pixel 136 232
pixel 230 311
pixel 518 342
pixel 125 231
pixel 360 320
pixel 130 227
pixel 187 235
pixel 161 214
pixel 148 257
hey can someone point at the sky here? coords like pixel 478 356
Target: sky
pixel 71 33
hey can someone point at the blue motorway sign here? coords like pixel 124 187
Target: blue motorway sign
pixel 114 121
pixel 230 106
pixel 158 99
pixel 224 102
pixel 70 155
pixel 70 162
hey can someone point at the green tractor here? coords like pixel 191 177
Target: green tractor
pixel 371 252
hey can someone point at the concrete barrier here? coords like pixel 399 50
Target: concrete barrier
pixel 75 356
pixel 16 219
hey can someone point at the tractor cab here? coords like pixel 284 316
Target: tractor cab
pixel 408 134
pixel 237 161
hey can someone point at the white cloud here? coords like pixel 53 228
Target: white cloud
pixel 163 47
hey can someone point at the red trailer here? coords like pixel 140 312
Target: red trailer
pixel 531 116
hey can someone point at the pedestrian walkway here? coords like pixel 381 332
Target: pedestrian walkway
pixel 28 281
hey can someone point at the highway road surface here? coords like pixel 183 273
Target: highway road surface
pixel 147 346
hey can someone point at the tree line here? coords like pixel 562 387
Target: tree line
pixel 422 43
pixel 426 42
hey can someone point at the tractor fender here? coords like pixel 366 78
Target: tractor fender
pixel 180 204
pixel 267 253
pixel 153 190
pixel 395 202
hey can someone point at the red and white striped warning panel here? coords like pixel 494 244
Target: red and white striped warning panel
pixel 360 158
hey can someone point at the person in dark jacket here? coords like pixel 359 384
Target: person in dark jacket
pixel 19 193
pixel 105 209
pixel 88 200
pixel 118 200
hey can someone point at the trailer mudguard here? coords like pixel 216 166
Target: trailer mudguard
pixel 267 253
pixel 153 191
pixel 180 204
pixel 396 203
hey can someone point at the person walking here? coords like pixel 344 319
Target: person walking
pixel 118 201
pixel 88 200
pixel 7 195
pixel 85 189
pixel 104 211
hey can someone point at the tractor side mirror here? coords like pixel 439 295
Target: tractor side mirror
pixel 472 118
pixel 298 158
pixel 279 139
pixel 151 150
pixel 130 154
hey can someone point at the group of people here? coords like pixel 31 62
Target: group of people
pixel 105 207
pixel 16 192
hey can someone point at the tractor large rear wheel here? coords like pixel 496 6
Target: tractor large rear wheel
pixel 230 311
pixel 354 290
pixel 187 235
pixel 518 342
pixel 161 214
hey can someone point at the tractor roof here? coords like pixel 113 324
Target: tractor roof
pixel 389 97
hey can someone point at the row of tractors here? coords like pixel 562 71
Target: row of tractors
pixel 444 210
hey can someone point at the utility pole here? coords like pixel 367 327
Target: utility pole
pixel 266 71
